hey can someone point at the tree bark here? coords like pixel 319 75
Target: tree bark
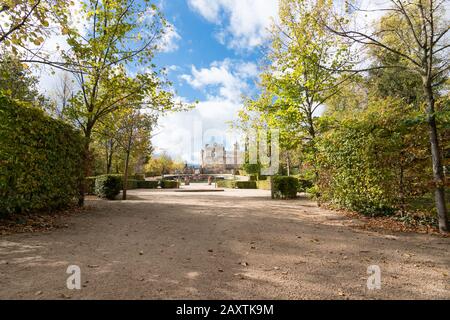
pixel 438 172
pixel 125 176
pixel 86 166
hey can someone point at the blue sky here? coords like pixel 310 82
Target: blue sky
pixel 212 56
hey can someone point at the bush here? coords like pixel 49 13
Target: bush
pixel 108 186
pixel 132 184
pixel 139 177
pixel 304 185
pixel 40 160
pixel 168 184
pixel 246 184
pixel 90 185
pixel 285 187
pixel 229 184
pixel 377 162
pixel 148 184
pixel 263 184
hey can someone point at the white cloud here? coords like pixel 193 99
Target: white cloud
pixel 227 79
pixel 169 41
pixel 244 23
pixel 224 82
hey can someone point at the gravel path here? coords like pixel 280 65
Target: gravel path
pixel 234 244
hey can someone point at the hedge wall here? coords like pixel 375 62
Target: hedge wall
pixel 168 184
pixel 285 187
pixel 40 160
pixel 232 184
pixel 148 184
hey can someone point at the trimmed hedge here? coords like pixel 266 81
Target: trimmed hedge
pixel 148 184
pixel 263 184
pixel 139 176
pixel 40 160
pixel 131 184
pixel 285 187
pixel 246 185
pixel 230 184
pixel 108 186
pixel 169 184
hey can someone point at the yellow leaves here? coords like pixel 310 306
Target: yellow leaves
pixel 38 41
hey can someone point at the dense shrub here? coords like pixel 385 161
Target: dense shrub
pixel 168 184
pixel 148 184
pixel 285 187
pixel 40 160
pixel 108 186
pixel 263 184
pixel 139 177
pixel 246 184
pixel 304 185
pixel 132 184
pixel 229 184
pixel 377 161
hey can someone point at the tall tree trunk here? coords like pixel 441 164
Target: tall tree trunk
pixel 86 165
pixel 288 164
pixel 109 157
pixel 438 172
pixel 125 176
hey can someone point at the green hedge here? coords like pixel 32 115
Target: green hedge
pixel 230 184
pixel 285 187
pixel 108 186
pixel 139 176
pixel 246 184
pixel 168 184
pixel 40 160
pixel 263 184
pixel 148 184
pixel 132 184
pixel 90 185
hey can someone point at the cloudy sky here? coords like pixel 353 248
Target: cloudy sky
pixel 212 57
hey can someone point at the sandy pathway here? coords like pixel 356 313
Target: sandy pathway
pixel 225 245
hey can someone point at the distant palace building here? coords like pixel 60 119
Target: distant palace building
pixel 217 160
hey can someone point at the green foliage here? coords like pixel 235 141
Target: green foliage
pixel 285 187
pixel 148 184
pixel 263 184
pixel 139 177
pixel 229 184
pixel 246 184
pixel 131 184
pixel 304 185
pixel 108 186
pixel 252 168
pixel 233 184
pixel 376 161
pixel 40 163
pixel 90 185
pixel 168 184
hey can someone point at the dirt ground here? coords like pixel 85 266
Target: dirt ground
pixel 234 244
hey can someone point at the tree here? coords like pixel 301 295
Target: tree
pixel 294 85
pixel 24 25
pixel 18 82
pixel 162 164
pixel 121 34
pixel 133 128
pixel 415 33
